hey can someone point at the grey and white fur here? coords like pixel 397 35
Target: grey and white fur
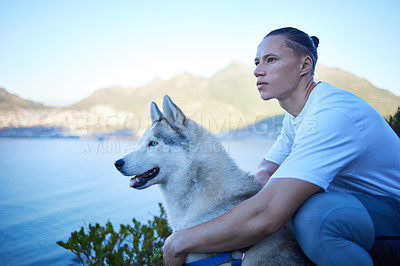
pixel 199 181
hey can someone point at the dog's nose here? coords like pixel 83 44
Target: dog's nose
pixel 119 164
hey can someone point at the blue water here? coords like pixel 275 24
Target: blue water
pixel 51 187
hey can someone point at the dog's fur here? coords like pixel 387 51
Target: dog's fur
pixel 199 181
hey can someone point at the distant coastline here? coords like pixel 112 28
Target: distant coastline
pixel 56 132
pixel 269 127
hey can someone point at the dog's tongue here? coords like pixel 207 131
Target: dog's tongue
pixel 133 182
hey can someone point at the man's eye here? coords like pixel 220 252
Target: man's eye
pixel 152 143
pixel 256 63
pixel 270 60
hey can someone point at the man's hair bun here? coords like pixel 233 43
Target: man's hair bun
pixel 315 40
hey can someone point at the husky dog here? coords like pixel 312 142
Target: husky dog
pixel 199 181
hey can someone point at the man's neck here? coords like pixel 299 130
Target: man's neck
pixel 295 103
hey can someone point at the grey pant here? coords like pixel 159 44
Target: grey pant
pixel 349 229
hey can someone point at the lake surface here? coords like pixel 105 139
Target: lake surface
pixel 51 187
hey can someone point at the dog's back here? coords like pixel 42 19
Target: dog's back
pixel 229 187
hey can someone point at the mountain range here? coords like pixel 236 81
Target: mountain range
pixel 227 100
pixel 9 101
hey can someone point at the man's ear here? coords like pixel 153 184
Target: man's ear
pixel 155 113
pixel 174 115
pixel 306 65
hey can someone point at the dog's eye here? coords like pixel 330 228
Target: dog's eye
pixel 152 143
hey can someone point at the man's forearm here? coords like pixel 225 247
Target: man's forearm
pixel 248 223
pixel 242 226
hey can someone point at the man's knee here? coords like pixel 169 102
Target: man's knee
pixel 307 221
pixel 328 220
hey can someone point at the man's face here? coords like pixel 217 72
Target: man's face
pixel 277 69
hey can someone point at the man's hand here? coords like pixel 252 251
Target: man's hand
pixel 265 171
pixel 171 255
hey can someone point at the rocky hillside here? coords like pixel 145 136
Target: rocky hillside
pixel 227 100
pixel 9 101
pixel 229 90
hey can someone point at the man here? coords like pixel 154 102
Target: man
pixel 331 141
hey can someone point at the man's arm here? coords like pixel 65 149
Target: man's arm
pixel 265 170
pixel 249 222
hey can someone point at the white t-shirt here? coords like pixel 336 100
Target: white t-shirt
pixel 339 143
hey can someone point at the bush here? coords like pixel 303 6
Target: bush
pixel 132 245
pixel 394 121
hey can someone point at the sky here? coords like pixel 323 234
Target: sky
pixel 58 52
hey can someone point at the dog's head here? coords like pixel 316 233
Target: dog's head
pixel 163 148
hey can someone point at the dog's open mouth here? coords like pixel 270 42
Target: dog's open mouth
pixel 138 181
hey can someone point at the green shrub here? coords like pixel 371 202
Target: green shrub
pixel 394 121
pixel 157 257
pixel 132 245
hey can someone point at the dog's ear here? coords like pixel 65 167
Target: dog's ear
pixel 173 114
pixel 155 113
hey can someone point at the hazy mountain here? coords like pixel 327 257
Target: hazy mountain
pixel 227 100
pixel 107 96
pixel 12 102
pixel 231 90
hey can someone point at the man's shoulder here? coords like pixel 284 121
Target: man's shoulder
pixel 327 94
pixel 327 97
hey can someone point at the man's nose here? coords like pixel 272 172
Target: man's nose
pixel 258 71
